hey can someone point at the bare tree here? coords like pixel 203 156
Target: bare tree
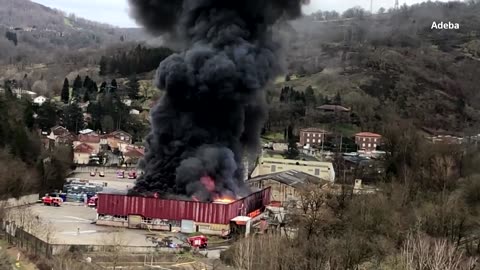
pixel 424 253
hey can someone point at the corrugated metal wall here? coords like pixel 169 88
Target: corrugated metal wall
pixel 121 205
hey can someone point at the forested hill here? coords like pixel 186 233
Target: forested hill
pixel 33 33
pixel 390 67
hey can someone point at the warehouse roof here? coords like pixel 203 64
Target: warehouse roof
pixel 292 178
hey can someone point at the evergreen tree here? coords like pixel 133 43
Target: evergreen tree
pixel 46 116
pixel 77 86
pixel 338 99
pixel 73 118
pixel 103 87
pixel 103 66
pixel 65 95
pixel 8 89
pixel 133 87
pixel 310 98
pixel 292 152
pixel 113 86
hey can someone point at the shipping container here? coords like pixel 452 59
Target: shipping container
pixel 178 210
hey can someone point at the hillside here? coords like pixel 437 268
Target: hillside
pixel 390 67
pixel 33 33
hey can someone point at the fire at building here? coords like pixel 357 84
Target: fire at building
pixel 187 216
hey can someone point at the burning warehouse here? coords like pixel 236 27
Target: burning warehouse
pixel 177 215
pixel 211 114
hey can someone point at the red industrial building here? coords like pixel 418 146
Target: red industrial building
pixel 178 215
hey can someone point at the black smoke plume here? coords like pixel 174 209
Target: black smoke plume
pixel 214 106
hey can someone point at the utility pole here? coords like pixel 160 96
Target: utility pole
pixel 371 7
pixel 396 5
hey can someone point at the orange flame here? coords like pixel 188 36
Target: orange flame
pixel 225 200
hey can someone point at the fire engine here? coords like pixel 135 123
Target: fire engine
pixel 132 175
pixel 52 201
pixel 92 202
pixel 200 241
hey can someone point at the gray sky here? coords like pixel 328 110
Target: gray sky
pixel 115 12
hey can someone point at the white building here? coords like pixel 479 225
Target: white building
pixel 40 100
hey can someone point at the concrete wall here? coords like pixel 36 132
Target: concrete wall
pixel 24 200
pixel 210 229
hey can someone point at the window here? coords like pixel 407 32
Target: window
pixel 369 145
pixel 313 140
pixel 308 140
pixel 273 168
pixel 375 145
pixel 317 171
pixel 375 140
pixel 363 139
pixel 363 145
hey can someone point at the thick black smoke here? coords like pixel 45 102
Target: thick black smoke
pixel 214 107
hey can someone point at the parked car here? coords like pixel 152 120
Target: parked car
pixel 102 174
pixel 121 174
pixel 93 173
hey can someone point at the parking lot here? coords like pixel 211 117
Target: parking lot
pixel 110 178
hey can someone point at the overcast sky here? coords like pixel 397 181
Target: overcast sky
pixel 115 12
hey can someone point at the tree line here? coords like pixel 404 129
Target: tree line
pixel 135 61
pixel 26 167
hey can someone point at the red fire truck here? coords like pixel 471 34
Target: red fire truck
pixel 132 175
pixel 52 201
pixel 200 241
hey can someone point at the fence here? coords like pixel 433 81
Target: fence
pixel 26 241
pixel 35 246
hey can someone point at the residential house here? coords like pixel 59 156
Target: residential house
pixel 134 112
pixel 40 100
pixel 312 136
pixel 285 186
pixel 92 139
pixel 133 155
pixel 65 139
pixel 323 170
pixel 57 131
pixel 118 137
pixel 82 153
pixel 368 141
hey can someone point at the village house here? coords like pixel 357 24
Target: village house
pixel 118 139
pixel 133 155
pixel 285 186
pixel 82 153
pixel 40 100
pixel 91 139
pixel 368 141
pixel 312 136
pixel 57 131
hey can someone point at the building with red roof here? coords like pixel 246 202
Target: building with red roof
pixel 82 153
pixel 368 141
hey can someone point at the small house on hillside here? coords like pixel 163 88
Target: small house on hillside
pixel 312 136
pixel 57 131
pixel 40 100
pixel 368 141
